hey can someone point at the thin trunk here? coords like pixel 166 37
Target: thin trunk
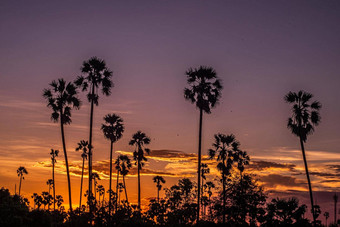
pixel 308 179
pixel 199 167
pixel 335 202
pixel 126 196
pixel 89 198
pixel 117 189
pixel 49 191
pixel 20 184
pixel 66 160
pixel 223 186
pixel 158 194
pixel 138 185
pixel 110 182
pixel 81 183
pixel 53 182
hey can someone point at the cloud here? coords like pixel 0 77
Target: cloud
pixel 274 180
pixel 261 165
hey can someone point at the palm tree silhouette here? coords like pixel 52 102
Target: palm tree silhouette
pixel 96 75
pixel 101 191
pixel 54 154
pixel 326 214
pixel 82 146
pixel 305 116
pixel 61 98
pixel 21 171
pixel 225 150
pixel 139 139
pixel 204 90
pixel 125 165
pixel 159 180
pixel 59 201
pixel 49 183
pixel 113 129
pixel 95 177
pixel 335 198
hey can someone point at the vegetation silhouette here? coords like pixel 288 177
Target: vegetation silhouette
pixel 113 129
pixel 82 146
pixel 139 139
pixel 305 116
pixel 54 154
pixel 159 180
pixel 123 164
pixel 96 75
pixel 61 98
pixel 21 171
pixel 204 91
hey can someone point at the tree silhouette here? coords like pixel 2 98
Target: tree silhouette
pixel 335 199
pixel 225 149
pixel 82 146
pixel 125 165
pixel 326 214
pixel 159 180
pixel 49 183
pixel 95 177
pixel 61 98
pixel 139 139
pixel 305 116
pixel 101 191
pixel 47 199
pixel 113 129
pixel 59 201
pixel 96 75
pixel 54 154
pixel 204 90
pixel 21 171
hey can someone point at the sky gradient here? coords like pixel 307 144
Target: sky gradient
pixel 260 50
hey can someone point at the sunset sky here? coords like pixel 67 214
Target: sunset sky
pixel 260 49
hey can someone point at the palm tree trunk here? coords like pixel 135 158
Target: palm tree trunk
pixel 138 186
pixel 110 182
pixel 20 184
pixel 199 166
pixel 117 189
pixel 126 196
pixel 308 179
pixel 158 194
pixel 89 197
pixel 81 183
pixel 223 186
pixel 49 191
pixel 53 182
pixel 66 160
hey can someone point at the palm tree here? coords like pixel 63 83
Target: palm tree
pixel 139 139
pixel 335 198
pixel 305 116
pixel 95 177
pixel 49 183
pixel 54 154
pixel 204 90
pixel 125 165
pixel 159 180
pixel 96 75
pixel 326 214
pixel 101 191
pixel 59 201
pixel 83 146
pixel 61 98
pixel 113 129
pixel 120 190
pixel 21 171
pixel 225 150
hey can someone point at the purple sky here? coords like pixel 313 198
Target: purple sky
pixel 260 49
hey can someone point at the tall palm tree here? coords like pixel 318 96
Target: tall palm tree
pixel 139 139
pixel 96 75
pixel 335 198
pixel 95 178
pixel 125 165
pixel 159 180
pixel 54 154
pixel 326 214
pixel 305 116
pixel 225 150
pixel 21 171
pixel 49 183
pixel 117 164
pixel 113 129
pixel 204 91
pixel 101 191
pixel 61 98
pixel 82 146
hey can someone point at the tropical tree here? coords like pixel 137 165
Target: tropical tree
pixel 124 170
pixel 159 180
pixel 61 98
pixel 225 150
pixel 96 75
pixel 335 199
pixel 204 91
pixel 139 139
pixel 101 191
pixel 37 200
pixel 21 171
pixel 204 170
pixel 59 201
pixel 54 154
pixel 326 214
pixel 49 183
pixel 113 129
pixel 95 178
pixel 305 116
pixel 47 199
pixel 82 146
